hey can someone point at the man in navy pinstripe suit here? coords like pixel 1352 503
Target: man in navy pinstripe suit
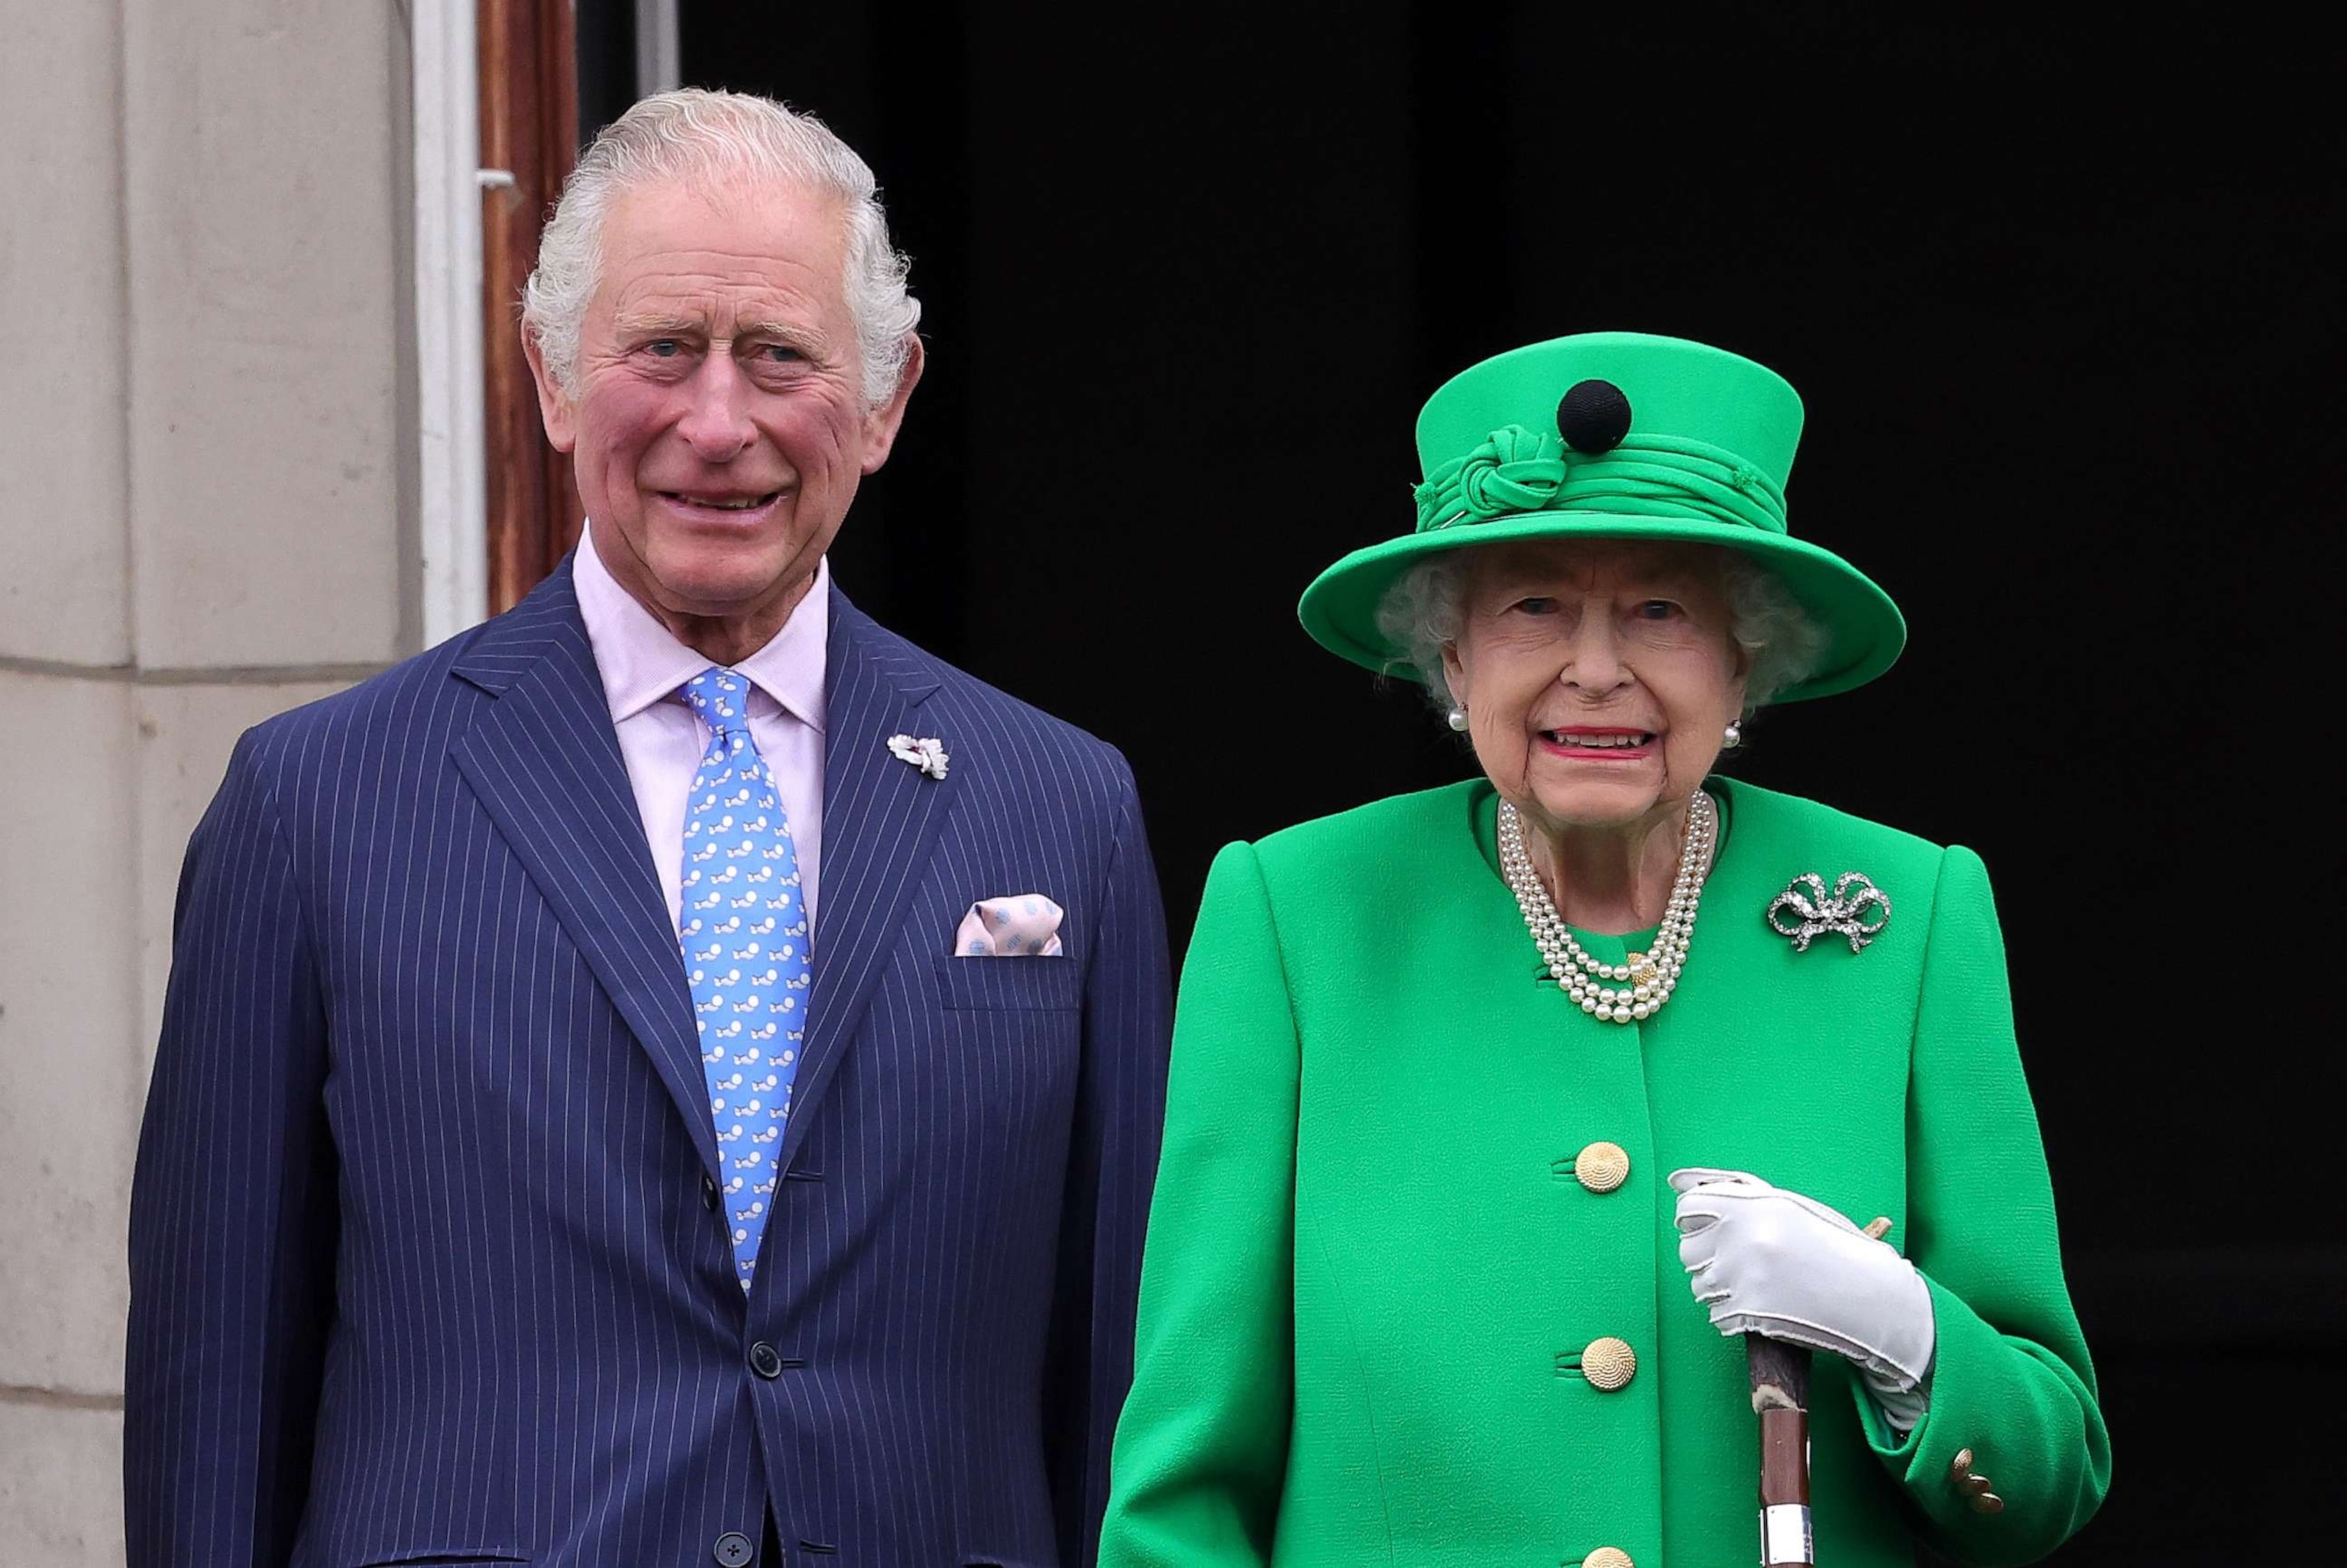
pixel 515 1189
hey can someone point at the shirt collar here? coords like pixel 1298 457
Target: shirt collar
pixel 641 662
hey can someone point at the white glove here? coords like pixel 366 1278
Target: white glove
pixel 1773 1262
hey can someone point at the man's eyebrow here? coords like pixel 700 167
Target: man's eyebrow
pixel 655 324
pixel 798 335
pixel 670 326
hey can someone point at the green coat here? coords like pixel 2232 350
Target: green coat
pixel 1371 1268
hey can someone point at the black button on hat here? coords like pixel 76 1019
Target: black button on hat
pixel 1593 416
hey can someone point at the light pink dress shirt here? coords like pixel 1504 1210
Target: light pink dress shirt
pixel 662 739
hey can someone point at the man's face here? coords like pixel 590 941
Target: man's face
pixel 719 425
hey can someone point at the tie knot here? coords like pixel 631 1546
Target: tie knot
pixel 721 698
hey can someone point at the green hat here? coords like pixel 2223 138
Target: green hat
pixel 1612 435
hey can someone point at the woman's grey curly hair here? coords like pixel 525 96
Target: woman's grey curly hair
pixel 1422 613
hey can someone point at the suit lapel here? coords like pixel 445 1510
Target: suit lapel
pixel 545 763
pixel 881 820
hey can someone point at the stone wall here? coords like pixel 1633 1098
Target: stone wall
pixel 204 469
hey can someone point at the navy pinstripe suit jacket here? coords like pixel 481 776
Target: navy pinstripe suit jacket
pixel 423 1265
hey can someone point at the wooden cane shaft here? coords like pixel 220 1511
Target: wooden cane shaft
pixel 1780 1396
pixel 1784 1457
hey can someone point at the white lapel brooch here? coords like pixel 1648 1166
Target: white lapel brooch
pixel 1846 913
pixel 928 753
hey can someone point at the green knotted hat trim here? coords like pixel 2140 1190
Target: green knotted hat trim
pixel 1519 469
pixel 1677 483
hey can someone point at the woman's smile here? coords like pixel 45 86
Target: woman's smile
pixel 1600 743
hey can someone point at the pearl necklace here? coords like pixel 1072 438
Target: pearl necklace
pixel 1652 976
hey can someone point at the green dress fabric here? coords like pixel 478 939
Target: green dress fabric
pixel 1371 1270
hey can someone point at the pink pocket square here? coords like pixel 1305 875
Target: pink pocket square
pixel 1024 925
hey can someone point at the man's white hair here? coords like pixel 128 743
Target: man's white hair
pixel 696 136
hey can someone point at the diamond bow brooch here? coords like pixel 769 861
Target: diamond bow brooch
pixel 1860 914
pixel 928 753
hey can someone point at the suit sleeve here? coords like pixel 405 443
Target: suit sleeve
pixel 233 1227
pixel 1203 1446
pixel 2011 1379
pixel 1112 1154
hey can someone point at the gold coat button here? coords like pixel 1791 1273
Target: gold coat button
pixel 1608 1557
pixel 1602 1167
pixel 1609 1364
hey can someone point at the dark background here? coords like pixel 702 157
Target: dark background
pixel 2065 307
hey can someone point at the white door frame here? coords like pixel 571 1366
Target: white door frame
pixel 451 438
pixel 659 58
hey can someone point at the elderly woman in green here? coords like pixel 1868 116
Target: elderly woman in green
pixel 1470 1087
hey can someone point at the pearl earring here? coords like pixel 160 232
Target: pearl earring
pixel 1734 736
pixel 1459 718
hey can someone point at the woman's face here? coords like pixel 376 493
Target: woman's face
pixel 1599 677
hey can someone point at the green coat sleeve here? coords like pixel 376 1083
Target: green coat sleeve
pixel 1202 1447
pixel 2011 1380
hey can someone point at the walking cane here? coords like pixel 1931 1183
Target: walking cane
pixel 1780 1398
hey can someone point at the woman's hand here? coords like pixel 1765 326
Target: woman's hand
pixel 1773 1262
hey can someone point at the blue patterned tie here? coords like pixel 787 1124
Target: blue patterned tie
pixel 743 930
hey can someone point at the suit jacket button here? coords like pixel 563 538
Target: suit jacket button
pixel 733 1550
pixel 765 1360
pixel 708 1191
pixel 1602 1167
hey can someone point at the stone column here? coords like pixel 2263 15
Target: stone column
pixel 204 464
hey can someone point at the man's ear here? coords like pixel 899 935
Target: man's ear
pixel 553 402
pixel 880 426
